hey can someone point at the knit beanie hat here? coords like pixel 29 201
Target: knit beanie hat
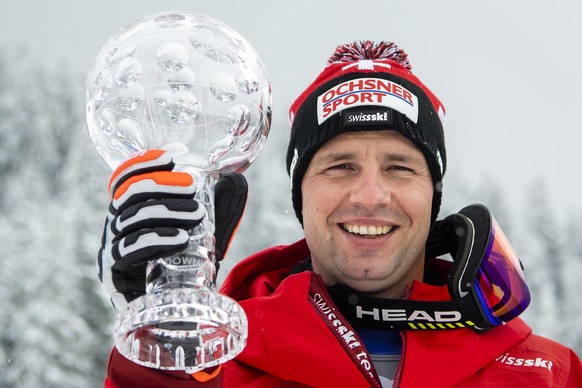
pixel 366 86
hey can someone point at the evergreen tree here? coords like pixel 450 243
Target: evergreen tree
pixel 541 239
pixel 573 265
pixel 55 319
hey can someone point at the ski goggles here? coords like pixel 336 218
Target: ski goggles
pixel 485 281
pixel 485 265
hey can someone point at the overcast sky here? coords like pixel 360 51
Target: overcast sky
pixel 508 72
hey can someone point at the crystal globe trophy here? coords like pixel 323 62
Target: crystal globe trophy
pixel 188 84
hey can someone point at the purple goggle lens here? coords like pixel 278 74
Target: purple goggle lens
pixel 500 285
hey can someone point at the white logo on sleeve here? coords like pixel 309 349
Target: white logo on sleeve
pixel 537 362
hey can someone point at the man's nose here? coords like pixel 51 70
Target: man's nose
pixel 370 190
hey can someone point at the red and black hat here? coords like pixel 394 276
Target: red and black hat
pixel 366 86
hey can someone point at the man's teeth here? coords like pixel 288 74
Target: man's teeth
pixel 367 230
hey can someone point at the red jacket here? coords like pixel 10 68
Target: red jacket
pixel 297 339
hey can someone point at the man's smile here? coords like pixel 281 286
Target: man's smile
pixel 367 230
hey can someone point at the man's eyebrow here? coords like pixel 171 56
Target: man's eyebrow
pixel 403 157
pixel 335 156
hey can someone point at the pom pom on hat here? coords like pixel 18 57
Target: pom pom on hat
pixel 371 79
pixel 368 50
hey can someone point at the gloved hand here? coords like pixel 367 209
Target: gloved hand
pixel 152 208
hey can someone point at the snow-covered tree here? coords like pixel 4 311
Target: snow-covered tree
pixel 571 280
pixel 542 243
pixel 55 319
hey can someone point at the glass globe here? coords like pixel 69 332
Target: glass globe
pixel 183 82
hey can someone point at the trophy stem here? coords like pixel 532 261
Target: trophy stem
pixel 182 323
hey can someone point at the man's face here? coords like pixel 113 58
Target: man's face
pixel 367 200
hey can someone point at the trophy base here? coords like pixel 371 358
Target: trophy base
pixel 181 329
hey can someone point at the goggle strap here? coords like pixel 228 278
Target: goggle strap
pixel 402 315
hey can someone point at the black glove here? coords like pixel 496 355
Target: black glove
pixel 152 208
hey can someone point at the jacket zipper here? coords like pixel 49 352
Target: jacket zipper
pixel 396 382
pixel 397 377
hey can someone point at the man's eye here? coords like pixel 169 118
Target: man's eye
pixel 342 166
pixel 400 168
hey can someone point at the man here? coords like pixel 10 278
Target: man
pixel 366 158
